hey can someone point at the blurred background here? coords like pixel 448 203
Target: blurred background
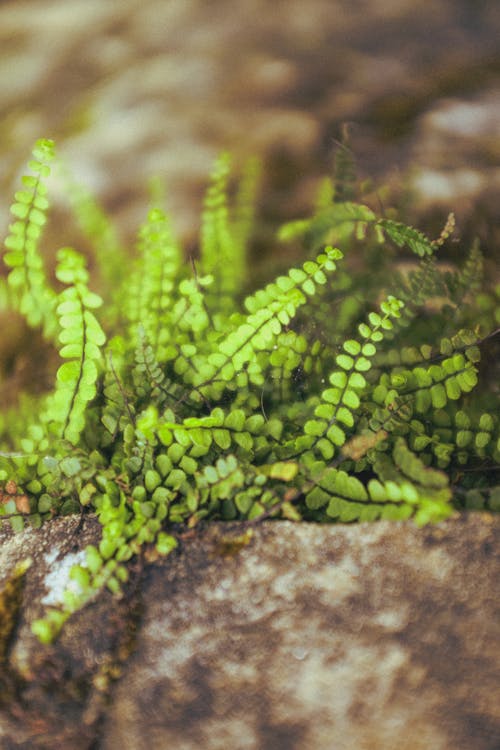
pixel 135 88
pixel 131 88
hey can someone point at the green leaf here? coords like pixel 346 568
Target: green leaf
pixel 351 399
pixel 165 543
pixel 235 420
pixel 339 379
pixel 438 396
pixel 317 498
pixel 345 416
pixel 68 372
pixel 453 389
pixel 352 347
pixel 356 380
pixel 336 435
pixel 222 438
pixel 70 466
pixel 344 361
pixel 314 427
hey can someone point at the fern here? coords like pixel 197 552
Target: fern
pixel 108 252
pixel 82 337
pixel 347 389
pixel 27 278
pixel 153 282
pixel 223 238
pixel 344 171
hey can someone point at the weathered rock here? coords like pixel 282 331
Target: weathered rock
pixel 373 636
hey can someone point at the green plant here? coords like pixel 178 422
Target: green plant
pixel 345 390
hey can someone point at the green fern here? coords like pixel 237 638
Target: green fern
pixel 27 278
pixel 82 337
pixel 347 389
pixel 150 290
pixel 108 253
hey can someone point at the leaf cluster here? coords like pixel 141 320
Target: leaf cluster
pixel 350 388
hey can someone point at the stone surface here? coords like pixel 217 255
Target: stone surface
pixel 377 637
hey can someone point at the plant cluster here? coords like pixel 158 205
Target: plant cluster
pixel 344 390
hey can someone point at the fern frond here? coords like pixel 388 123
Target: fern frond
pixel 150 381
pixel 340 496
pixel 225 234
pixel 466 281
pixel 220 256
pixel 109 254
pixel 243 216
pixel 27 278
pixel 335 224
pixel 405 236
pixel 270 309
pixel 325 432
pixel 81 337
pixel 344 170
pixel 153 283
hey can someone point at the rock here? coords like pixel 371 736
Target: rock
pixel 454 147
pixel 378 636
